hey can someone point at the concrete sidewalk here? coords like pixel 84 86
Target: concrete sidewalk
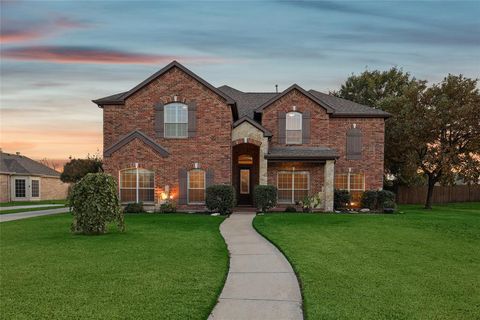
pixel 261 283
pixel 31 206
pixel 30 214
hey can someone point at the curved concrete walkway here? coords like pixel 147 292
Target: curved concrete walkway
pixel 261 283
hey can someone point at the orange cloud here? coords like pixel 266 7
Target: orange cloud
pixel 54 143
pixel 69 54
pixel 20 31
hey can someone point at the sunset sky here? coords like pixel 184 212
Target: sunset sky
pixel 57 56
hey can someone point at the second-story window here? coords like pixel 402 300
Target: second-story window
pixel 176 120
pixel 293 132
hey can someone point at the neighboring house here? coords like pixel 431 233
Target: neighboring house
pixel 174 134
pixel 23 179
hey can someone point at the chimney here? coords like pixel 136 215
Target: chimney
pixel 276 88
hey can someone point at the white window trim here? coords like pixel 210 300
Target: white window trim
pixel 137 188
pixel 165 121
pixel 14 189
pixel 293 185
pixel 204 186
pixel 301 128
pixel 31 188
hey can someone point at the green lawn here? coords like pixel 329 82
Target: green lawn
pixel 29 209
pixel 28 203
pixel 416 265
pixel 163 266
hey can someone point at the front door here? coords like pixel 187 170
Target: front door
pixel 244 186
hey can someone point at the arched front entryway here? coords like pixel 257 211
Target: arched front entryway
pixel 245 171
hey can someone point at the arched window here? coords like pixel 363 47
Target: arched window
pixel 293 132
pixel 196 186
pixel 176 120
pixel 137 185
pixel 245 159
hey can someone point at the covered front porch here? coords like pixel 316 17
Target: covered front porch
pixel 296 171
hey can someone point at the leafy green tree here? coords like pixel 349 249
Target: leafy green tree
pixel 434 131
pixel 370 87
pixel 76 169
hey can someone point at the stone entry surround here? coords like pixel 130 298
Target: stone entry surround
pixel 247 133
pixel 261 283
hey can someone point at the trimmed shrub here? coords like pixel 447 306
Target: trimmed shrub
pixel 134 207
pixel 168 207
pixel 220 198
pixel 389 206
pixel 94 203
pixel 341 199
pixel 376 199
pixel 383 196
pixel 311 202
pixel 290 209
pixel 265 197
pixel 369 199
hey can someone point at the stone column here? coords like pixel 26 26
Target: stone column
pixel 329 170
pixel 263 162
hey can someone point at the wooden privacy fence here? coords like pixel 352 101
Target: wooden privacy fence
pixel 459 193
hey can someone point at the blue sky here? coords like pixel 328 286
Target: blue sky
pixel 59 55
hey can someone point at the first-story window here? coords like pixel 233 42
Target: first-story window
pixel 20 188
pixel 293 186
pixel 196 186
pixel 137 185
pixel 354 183
pixel 35 188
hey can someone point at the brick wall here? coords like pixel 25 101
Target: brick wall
pixel 4 188
pixel 331 132
pixel 371 163
pixel 318 122
pixel 53 189
pixel 211 147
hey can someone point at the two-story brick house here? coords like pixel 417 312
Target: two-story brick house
pixel 174 134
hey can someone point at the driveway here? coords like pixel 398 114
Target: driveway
pixel 261 283
pixel 30 214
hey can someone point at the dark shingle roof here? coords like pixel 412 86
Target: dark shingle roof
pixel 119 98
pixel 18 164
pixel 250 102
pixel 136 135
pixel 347 107
pixel 301 153
pixel 247 102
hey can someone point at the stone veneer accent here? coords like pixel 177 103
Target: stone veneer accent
pixel 329 185
pixel 246 130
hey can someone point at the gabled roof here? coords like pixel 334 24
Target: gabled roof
pixel 293 153
pixel 254 123
pixel 249 102
pixel 136 135
pixel 288 90
pixel 21 165
pixel 119 98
